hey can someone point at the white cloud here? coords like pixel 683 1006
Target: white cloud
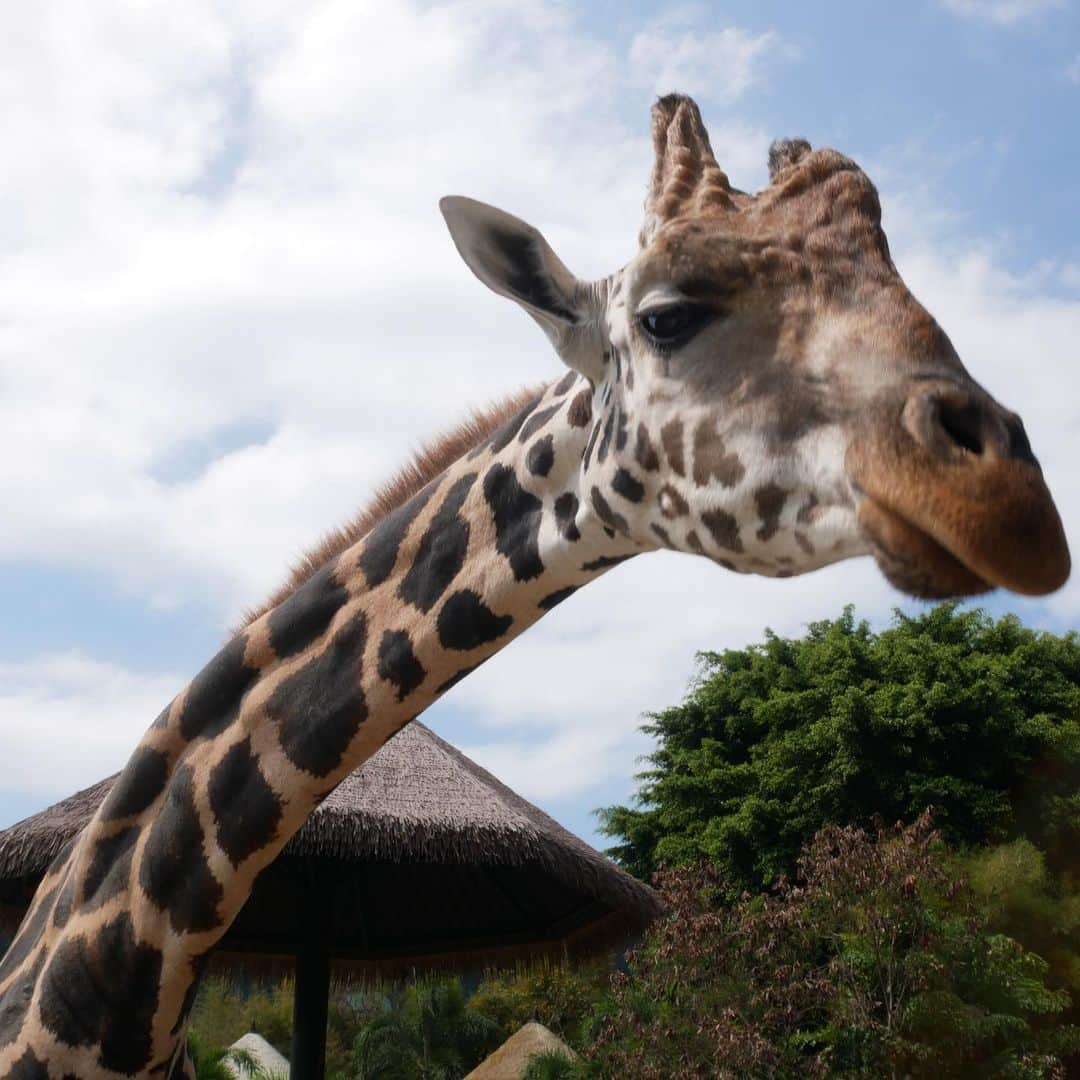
pixel 675 52
pixel 1072 72
pixel 232 224
pixel 67 720
pixel 1004 12
pixel 625 646
pixel 222 217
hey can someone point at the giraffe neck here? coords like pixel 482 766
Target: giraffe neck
pixel 290 706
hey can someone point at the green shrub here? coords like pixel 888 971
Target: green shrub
pixel 875 962
pixel 423 1032
pixel 558 996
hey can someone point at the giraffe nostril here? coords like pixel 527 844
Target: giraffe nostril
pixel 1019 447
pixel 962 422
pixel 950 420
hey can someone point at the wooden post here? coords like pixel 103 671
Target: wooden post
pixel 311 993
pixel 310 1003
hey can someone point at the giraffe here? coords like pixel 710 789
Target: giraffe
pixel 756 386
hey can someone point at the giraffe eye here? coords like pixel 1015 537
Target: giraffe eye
pixel 673 325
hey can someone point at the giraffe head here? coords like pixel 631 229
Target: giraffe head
pixel 767 392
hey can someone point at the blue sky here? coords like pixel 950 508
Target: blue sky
pixel 228 308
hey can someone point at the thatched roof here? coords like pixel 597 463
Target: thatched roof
pixel 511 1059
pixel 419 852
pixel 273 1064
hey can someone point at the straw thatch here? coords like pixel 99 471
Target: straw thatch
pixel 419 853
pixel 512 1058
pixel 267 1059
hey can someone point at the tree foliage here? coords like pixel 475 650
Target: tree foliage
pixel 876 962
pixel 559 997
pixel 426 1032
pixel 803 937
pixel 950 709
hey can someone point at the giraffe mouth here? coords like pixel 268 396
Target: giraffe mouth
pixel 962 534
pixel 911 559
pixel 951 499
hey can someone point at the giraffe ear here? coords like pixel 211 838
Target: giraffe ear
pixel 513 259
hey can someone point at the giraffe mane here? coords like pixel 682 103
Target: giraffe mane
pixel 429 461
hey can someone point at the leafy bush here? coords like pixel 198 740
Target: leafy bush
pixel 876 962
pixel 213 1062
pixel 425 1032
pixel 550 1065
pixel 558 996
pixel 227 1008
pixel 224 1011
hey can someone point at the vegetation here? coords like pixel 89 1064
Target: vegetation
pixel 225 1009
pixel 875 962
pixel 212 1062
pixel 426 1032
pixel 976 718
pixel 803 936
pixel 561 998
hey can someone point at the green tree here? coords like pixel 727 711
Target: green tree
pixel 426 1032
pixel 950 709
pixel 875 962
pixel 1020 897
pixel 558 996
pixel 227 1008
pixel 551 1065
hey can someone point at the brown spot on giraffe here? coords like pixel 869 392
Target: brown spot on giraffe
pixel 671 436
pixel 644 451
pixel 712 461
pixel 723 528
pixel 770 501
pixel 672 504
pixel 580 412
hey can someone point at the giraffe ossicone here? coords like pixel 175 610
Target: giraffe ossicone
pixel 756 385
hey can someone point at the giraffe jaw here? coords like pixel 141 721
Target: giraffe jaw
pixel 923 553
pixel 955 516
pixel 911 559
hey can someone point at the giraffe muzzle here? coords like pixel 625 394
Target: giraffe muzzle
pixel 952 499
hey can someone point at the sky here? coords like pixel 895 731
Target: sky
pixel 229 308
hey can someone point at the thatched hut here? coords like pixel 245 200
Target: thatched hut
pixel 262 1055
pixel 510 1060
pixel 420 859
